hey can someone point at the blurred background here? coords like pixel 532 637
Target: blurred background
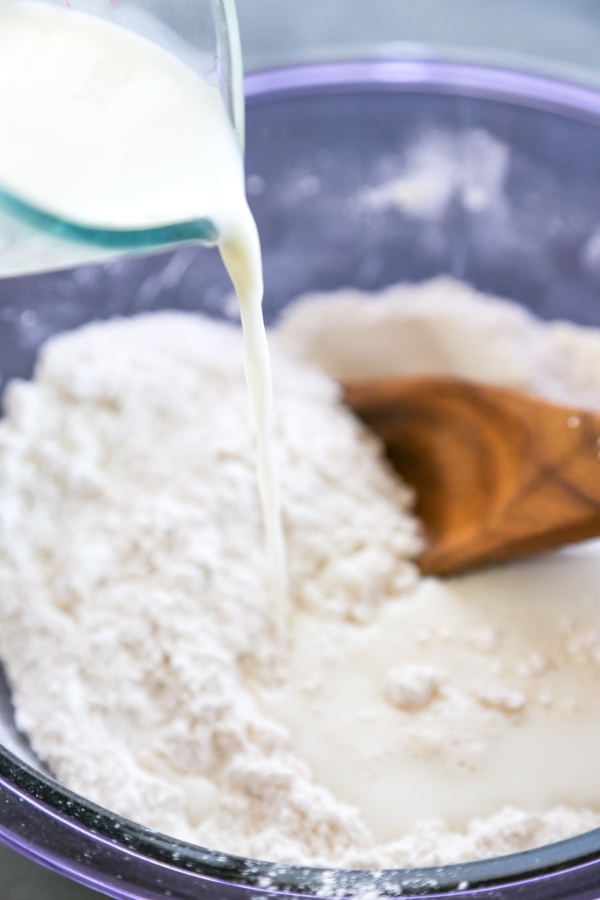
pixel 549 35
pixel 560 37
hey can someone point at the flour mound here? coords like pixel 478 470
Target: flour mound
pixel 134 600
pixel 133 585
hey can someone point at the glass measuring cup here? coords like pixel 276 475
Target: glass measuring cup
pixel 54 122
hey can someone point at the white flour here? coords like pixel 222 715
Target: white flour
pixel 133 607
pixel 440 166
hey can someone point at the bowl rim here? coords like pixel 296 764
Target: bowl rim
pixel 39 797
pixel 132 843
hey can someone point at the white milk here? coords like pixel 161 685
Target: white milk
pixel 515 716
pixel 132 138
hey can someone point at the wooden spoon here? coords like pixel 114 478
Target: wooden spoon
pixel 498 474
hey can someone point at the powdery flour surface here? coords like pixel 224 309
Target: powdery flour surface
pixel 134 619
pixel 134 600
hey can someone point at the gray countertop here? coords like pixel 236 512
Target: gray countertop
pixel 555 34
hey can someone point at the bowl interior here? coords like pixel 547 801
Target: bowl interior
pixel 359 175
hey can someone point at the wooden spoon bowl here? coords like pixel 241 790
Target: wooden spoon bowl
pixel 499 474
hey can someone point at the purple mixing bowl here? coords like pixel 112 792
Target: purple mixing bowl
pixel 315 136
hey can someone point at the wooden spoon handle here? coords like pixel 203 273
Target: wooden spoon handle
pixel 498 474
